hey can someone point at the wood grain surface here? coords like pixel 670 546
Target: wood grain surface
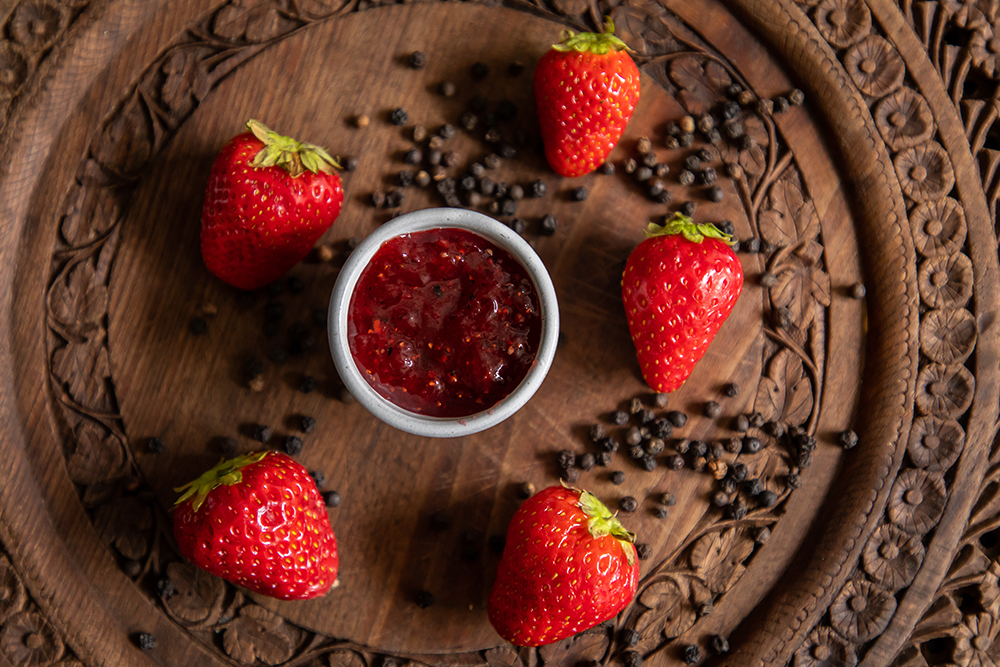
pixel 882 182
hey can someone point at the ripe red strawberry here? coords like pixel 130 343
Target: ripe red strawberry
pixel 586 88
pixel 568 565
pixel 269 198
pixel 679 286
pixel 259 522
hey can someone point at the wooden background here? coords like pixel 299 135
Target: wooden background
pixel 886 177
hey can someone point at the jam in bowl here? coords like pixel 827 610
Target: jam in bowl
pixel 443 322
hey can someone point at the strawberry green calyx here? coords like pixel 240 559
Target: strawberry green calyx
pixel 696 232
pixel 602 522
pixel 227 471
pixel 293 156
pixel 599 43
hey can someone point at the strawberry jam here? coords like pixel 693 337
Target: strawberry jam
pixel 443 322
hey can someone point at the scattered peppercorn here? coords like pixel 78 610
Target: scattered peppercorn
pixel 227 446
pixel 632 658
pixel 480 70
pixel 691 654
pixel 734 445
pixel 586 461
pixel 781 104
pixel 660 512
pixel 261 433
pixel 537 189
pixel 648 463
pixel 549 224
pixel 720 645
pixel 398 116
pixel 155 446
pixel 331 499
pixel 676 418
pixel 447 89
pixel 688 208
pixel 606 168
pixel 579 193
pixel 643 550
pixel 796 97
pixel 146 641
pixel 617 477
pixel 697 448
pixel 197 326
pixel 858 291
pixel 566 459
pixel 712 409
pixel 715 194
pixel 628 504
pixel 736 510
pixel 655 446
pixel 674 462
pixel 518 225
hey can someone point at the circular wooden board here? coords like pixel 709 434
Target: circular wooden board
pixel 114 113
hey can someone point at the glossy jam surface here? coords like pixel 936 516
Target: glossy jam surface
pixel 444 323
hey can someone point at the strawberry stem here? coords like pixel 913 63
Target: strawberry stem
pixel 225 472
pixel 696 232
pixel 599 43
pixel 293 156
pixel 602 522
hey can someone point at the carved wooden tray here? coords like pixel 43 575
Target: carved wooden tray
pixel 870 304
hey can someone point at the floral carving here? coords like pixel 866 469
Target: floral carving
pixel 718 557
pixel 582 648
pixel 843 22
pixel 945 281
pixel 948 336
pixel 874 66
pixel 702 82
pixel 904 120
pixel 785 393
pixel 669 607
pixel 14 69
pixel 94 455
pixel 184 80
pixel 645 29
pixel 975 640
pixel 256 20
pixel 35 25
pixel 27 640
pixel 12 594
pixel 945 391
pixel 861 610
pixel 984 48
pixel 125 523
pixel 349 658
pixel 825 648
pixel 935 443
pixel 257 634
pixel 197 597
pixel 925 172
pixel 938 227
pixel 917 500
pixel 892 557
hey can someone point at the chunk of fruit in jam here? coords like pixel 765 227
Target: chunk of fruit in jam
pixel 443 322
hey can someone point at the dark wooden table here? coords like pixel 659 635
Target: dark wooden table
pixel 858 167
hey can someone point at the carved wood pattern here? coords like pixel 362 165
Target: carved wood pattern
pixel 685 587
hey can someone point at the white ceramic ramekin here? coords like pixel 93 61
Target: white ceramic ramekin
pixel 436 218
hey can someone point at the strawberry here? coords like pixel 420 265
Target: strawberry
pixel 586 88
pixel 568 564
pixel 269 198
pixel 259 522
pixel 679 286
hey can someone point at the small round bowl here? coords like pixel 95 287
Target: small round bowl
pixel 438 218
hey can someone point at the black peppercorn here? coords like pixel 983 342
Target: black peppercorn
pixel 608 444
pixel 720 645
pixel 307 385
pixel 619 417
pixel 508 207
pixel 307 424
pixel 155 446
pixel 660 512
pixel 617 477
pixel 643 550
pixel 674 462
pixel 767 498
pixel 738 471
pixel 736 510
pixel 423 599
pixel 685 177
pixel 751 445
pixel 596 432
pixel 643 174
pixel 146 641
pixel 720 499
pixel 691 654
pixel 604 459
pixel 606 168
pixel 518 225
pixel 293 445
pixel 756 419
pixel 780 104
pixel 685 140
pixel 848 439
pixel 549 224
pixel 753 486
pixel 566 459
pixel 261 433
pixel 632 658
pixel 586 461
pixel 715 194
pixel 648 463
pixel 227 446
pixel 537 189
pixel 636 452
pixel 197 326
pixel 331 499
pixel 318 477
pixel 480 70
pixel 688 208
pixel 398 116
pixel 417 60
pixel 712 409
pixel 628 504
pixel 579 193
pixel 492 161
pixel 655 446
pixel 677 418
pixel 697 448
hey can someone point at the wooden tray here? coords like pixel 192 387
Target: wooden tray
pixel 870 305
